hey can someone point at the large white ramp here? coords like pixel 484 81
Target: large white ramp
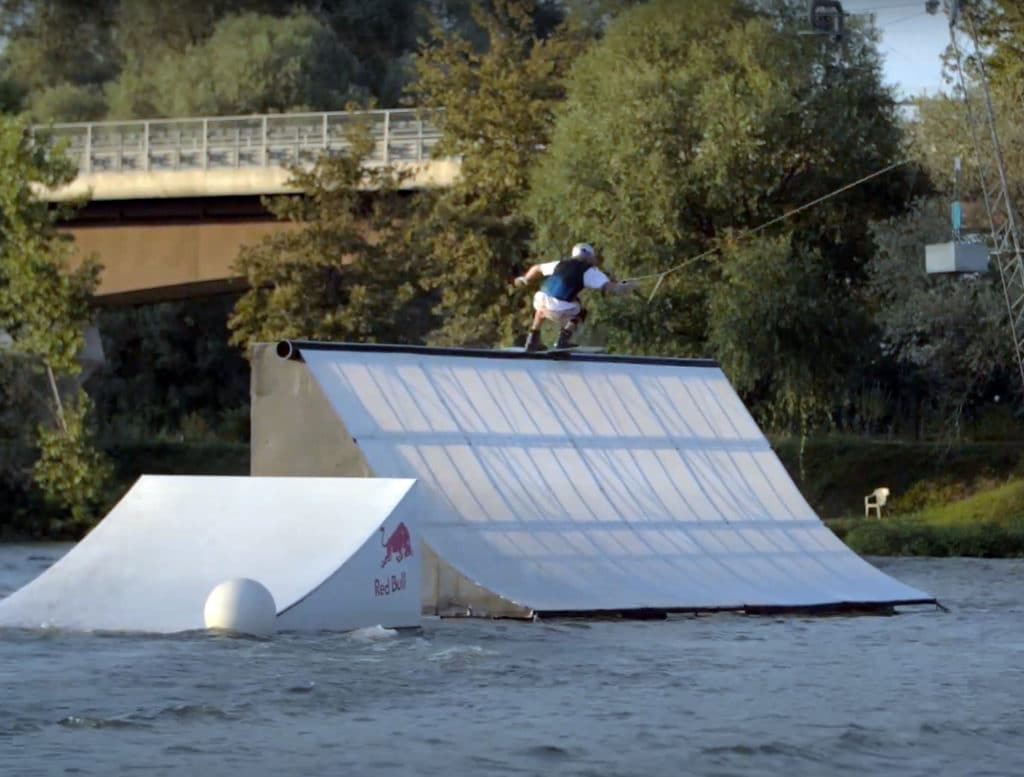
pixel 584 483
pixel 333 552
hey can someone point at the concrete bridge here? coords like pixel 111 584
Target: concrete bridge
pixel 170 202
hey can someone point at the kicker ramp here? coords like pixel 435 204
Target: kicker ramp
pixel 569 484
pixel 331 551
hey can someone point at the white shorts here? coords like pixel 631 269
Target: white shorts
pixel 555 309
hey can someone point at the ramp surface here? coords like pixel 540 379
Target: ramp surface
pixel 592 483
pixel 318 545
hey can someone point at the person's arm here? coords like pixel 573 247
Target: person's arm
pixel 618 287
pixel 536 271
pixel 596 279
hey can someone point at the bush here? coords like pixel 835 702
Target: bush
pixel 984 539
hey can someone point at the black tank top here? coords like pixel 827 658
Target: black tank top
pixel 566 282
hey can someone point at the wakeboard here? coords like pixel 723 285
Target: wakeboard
pixel 556 351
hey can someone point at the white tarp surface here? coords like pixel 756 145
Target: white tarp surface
pixel 577 484
pixel 318 545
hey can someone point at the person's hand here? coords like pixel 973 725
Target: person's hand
pixel 520 281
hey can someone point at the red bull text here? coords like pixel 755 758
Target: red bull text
pixel 387 587
pixel 397 547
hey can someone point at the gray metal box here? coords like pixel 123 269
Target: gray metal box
pixel 956 257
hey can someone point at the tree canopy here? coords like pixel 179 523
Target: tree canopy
pixel 251 63
pixel 498 108
pixel 67 60
pixel 680 132
pixel 345 271
pixel 44 308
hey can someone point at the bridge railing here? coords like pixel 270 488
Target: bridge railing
pixel 271 140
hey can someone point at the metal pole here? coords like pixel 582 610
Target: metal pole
pixel 265 152
pixel 56 398
pixel 88 148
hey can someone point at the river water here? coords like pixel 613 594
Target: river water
pixel 921 693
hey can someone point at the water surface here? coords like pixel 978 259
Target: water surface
pixel 922 693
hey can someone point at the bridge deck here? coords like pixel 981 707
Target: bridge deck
pixel 236 155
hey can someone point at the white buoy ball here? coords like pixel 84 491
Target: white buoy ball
pixel 241 605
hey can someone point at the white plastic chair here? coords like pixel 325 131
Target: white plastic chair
pixel 876 501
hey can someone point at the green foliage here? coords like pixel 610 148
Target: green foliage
pixel 498 109
pixel 150 30
pixel 681 128
pixel 67 102
pixel 842 469
pixel 785 332
pixel 943 131
pixel 150 58
pixel 346 272
pixel 44 306
pixel 984 539
pixel 1000 28
pixel 926 494
pixel 53 42
pixel 169 370
pixel 382 35
pixel 951 331
pixel 251 63
pixel 70 470
pixel 987 523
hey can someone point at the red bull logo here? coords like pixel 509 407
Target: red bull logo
pixel 397 546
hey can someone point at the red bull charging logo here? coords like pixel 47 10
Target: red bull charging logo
pixel 398 547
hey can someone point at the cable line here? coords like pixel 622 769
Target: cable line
pixel 754 230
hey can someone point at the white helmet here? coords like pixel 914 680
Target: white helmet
pixel 583 251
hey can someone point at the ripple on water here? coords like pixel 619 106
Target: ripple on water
pixel 461 653
pixel 18 727
pixel 551 752
pixel 89 722
pixel 715 695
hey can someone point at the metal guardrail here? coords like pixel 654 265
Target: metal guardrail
pixel 271 140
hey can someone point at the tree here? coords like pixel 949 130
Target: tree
pixel 169 369
pixel 497 114
pixel 67 102
pixel 1000 28
pixel 262 64
pixel 682 132
pixel 787 336
pixel 51 42
pixel 949 331
pixel 942 131
pixel 344 272
pixel 44 307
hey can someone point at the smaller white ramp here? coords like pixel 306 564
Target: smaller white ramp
pixel 334 553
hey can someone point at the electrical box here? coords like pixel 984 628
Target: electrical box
pixel 956 257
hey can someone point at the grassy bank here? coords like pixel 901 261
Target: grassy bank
pixel 960 500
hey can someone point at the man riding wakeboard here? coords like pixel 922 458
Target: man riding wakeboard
pixel 558 297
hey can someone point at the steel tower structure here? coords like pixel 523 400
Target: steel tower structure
pixel 1003 217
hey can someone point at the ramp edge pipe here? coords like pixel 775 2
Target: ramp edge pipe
pixel 291 349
